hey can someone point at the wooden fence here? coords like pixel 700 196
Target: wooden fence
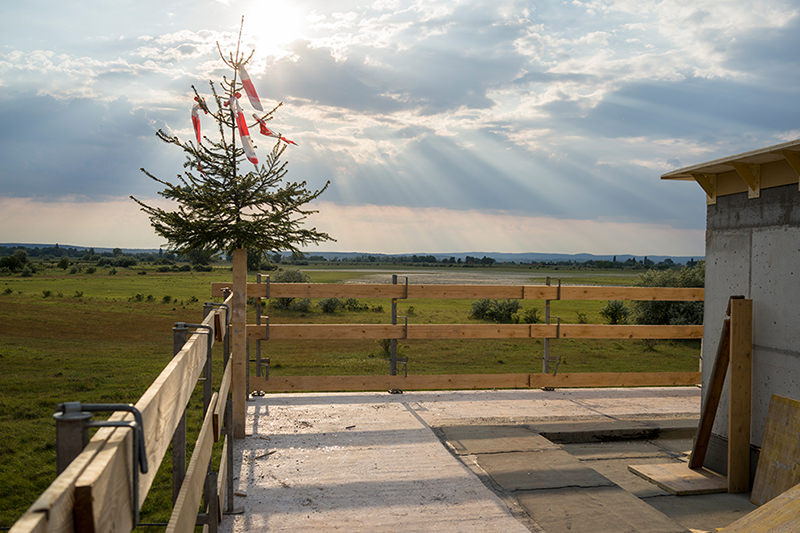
pixel 265 332
pixel 95 493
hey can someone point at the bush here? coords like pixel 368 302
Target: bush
pixel 112 272
pixel 141 273
pixel 501 311
pixel 203 268
pixel 91 270
pixel 352 304
pixel 376 309
pixel 330 305
pixel 581 317
pixel 531 316
pixel 615 312
pixel 163 269
pixel 27 271
pixel 300 305
pixel 286 276
pixel 78 294
pixel 63 263
pixel 673 313
pixel 46 293
pixel 166 299
pixel 8 290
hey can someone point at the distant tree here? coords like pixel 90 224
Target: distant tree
pixel 63 263
pixel 675 313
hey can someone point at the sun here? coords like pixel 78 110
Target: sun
pixel 272 25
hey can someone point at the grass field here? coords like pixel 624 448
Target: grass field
pixel 104 338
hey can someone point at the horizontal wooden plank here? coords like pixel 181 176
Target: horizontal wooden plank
pixel 472 381
pixel 679 479
pixel 587 292
pixel 529 292
pixel 219 410
pixel 53 509
pixel 103 491
pixel 470 331
pixel 607 331
pixel 184 512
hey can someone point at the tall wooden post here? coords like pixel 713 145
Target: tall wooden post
pixel 239 342
pixel 741 363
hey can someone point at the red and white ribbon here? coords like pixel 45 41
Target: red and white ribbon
pixel 269 133
pixel 196 121
pixel 250 89
pixel 244 133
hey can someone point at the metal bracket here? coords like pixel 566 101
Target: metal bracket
pixel 259 277
pixel 405 326
pixel 225 306
pixel 72 409
pixel 558 293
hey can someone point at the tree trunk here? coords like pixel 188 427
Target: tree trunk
pixel 239 342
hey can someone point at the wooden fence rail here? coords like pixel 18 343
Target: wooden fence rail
pixel 94 493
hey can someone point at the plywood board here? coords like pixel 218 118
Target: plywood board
pixel 678 479
pixel 778 468
pixel 781 514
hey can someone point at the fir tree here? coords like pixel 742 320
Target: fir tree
pixel 220 207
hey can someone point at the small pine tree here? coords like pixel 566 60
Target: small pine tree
pixel 221 208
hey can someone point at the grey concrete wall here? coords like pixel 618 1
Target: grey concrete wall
pixel 753 249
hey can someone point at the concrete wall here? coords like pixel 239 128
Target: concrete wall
pixel 753 249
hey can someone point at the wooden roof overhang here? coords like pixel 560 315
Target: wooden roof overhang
pixel 747 172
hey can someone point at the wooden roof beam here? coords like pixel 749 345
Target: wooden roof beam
pixel 793 158
pixel 751 175
pixel 709 184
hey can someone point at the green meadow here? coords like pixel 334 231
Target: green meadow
pixel 104 338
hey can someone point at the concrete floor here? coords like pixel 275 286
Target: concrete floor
pixel 521 460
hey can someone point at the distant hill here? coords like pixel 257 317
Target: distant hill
pixel 500 257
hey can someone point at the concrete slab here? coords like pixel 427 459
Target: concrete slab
pixel 598 509
pixel 494 439
pixel 635 449
pixel 372 462
pixel 544 469
pixel 704 512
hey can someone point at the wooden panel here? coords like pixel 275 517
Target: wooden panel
pixel 239 343
pixel 781 514
pixel 779 461
pixel 222 478
pixel 740 395
pixel 184 513
pixel 713 394
pixel 679 479
pixel 573 292
pixel 530 292
pixel 472 381
pixel 219 410
pixel 52 510
pixel 102 492
pixel 606 331
pixel 470 331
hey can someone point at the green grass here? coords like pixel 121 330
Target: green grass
pixel 91 339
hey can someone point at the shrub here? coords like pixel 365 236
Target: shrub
pixel 46 293
pixel 674 313
pixel 166 299
pixel 151 298
pixel 376 309
pixel 112 272
pixel 91 270
pixel 581 317
pixel 141 273
pixel 138 297
pixel 63 263
pixel 330 305
pixel 203 268
pixel 8 290
pixel 287 276
pixel 300 305
pixel 352 304
pixel 27 271
pixel 78 294
pixel 615 312
pixel 74 270
pixel 501 311
pixel 531 316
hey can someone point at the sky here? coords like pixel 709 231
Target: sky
pixel 500 125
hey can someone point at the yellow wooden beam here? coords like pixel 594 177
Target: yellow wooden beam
pixel 751 175
pixel 793 158
pixel 528 292
pixel 741 382
pixel 472 381
pixel 709 184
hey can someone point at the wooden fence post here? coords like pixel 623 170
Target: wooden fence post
pixel 239 342
pixel 741 362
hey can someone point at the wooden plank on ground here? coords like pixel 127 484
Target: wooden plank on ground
pixel 779 461
pixel 713 394
pixel 606 331
pixel 781 514
pixel 679 479
pixel 472 381
pixel 740 395
pixel 102 492
pixel 184 513
pixel 219 410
